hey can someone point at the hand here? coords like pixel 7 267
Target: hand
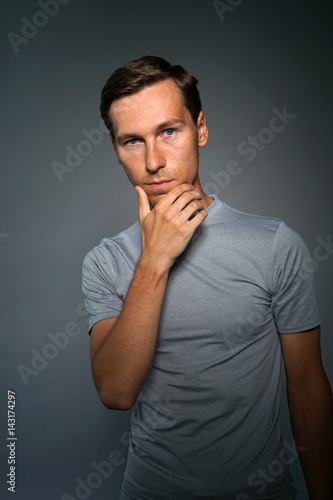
pixel 169 226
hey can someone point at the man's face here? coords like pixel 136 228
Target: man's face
pixel 156 140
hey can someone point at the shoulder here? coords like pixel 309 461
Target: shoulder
pixel 261 225
pixel 261 239
pixel 252 221
pixel 248 230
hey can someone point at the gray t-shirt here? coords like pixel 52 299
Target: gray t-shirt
pixel 207 419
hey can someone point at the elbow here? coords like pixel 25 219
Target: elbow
pixel 116 404
pixel 114 392
pixel 115 401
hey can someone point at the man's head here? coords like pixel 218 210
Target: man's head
pixel 140 73
pixel 156 125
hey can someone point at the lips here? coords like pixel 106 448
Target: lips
pixel 159 184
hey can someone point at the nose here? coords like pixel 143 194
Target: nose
pixel 154 157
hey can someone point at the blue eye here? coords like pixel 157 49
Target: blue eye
pixel 169 131
pixel 132 141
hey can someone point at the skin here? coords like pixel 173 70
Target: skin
pixel 311 410
pixel 156 140
pixel 157 144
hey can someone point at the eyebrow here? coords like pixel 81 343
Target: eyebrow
pixel 164 125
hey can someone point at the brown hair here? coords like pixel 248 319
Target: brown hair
pixel 140 73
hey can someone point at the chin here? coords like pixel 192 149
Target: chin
pixel 153 200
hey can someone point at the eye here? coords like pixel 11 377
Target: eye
pixel 169 131
pixel 132 141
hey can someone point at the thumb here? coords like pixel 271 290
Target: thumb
pixel 144 207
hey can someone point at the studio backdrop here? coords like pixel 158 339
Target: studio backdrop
pixel 265 78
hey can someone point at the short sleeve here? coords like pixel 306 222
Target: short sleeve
pixel 99 287
pixel 294 303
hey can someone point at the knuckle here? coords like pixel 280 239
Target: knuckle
pixel 195 195
pixel 182 230
pixel 158 209
pixel 167 216
pixel 182 188
pixel 188 197
pixel 179 191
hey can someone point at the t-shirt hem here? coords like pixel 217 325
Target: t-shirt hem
pixel 308 326
pixel 108 315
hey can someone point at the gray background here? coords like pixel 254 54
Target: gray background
pixel 262 55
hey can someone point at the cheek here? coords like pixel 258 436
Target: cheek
pixel 187 157
pixel 132 165
pixel 182 153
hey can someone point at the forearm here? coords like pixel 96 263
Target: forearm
pixel 312 422
pixel 122 363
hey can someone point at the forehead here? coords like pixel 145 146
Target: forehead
pixel 154 104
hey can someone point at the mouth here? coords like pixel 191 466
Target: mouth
pixel 159 184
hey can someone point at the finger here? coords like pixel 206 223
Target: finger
pixel 144 207
pixel 175 193
pixel 186 198
pixel 197 219
pixel 191 210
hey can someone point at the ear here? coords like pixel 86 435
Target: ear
pixel 202 130
pixel 114 148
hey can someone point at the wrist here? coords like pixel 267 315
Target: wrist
pixel 152 268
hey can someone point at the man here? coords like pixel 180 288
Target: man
pixel 173 300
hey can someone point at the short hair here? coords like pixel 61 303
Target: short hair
pixel 145 71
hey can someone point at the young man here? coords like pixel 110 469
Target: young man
pixel 190 308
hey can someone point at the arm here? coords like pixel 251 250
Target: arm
pixel 122 349
pixel 310 406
